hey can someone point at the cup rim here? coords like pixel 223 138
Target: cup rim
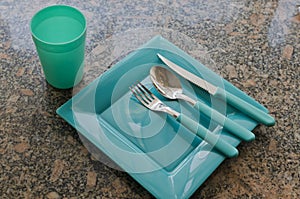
pixel 58 43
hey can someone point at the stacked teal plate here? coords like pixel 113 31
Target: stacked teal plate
pixel 162 155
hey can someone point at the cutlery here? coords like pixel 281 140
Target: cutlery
pixel 248 109
pixel 151 102
pixel 170 87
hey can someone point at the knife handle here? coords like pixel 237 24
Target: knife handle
pixel 246 108
pixel 214 140
pixel 226 122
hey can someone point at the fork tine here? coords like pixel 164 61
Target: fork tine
pixel 139 95
pixel 132 89
pixel 147 90
pixel 146 94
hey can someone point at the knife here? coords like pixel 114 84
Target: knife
pixel 248 109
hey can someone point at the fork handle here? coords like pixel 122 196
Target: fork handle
pixel 214 140
pixel 227 123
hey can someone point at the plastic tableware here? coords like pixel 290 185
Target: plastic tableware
pixel 59 33
pixel 170 87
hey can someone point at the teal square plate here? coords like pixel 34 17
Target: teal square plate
pixel 158 152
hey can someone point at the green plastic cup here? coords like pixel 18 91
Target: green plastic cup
pixel 59 34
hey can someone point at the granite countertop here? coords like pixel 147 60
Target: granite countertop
pixel 255 45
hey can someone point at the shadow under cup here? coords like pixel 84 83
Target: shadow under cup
pixel 59 34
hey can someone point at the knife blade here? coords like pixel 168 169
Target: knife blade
pixel 248 109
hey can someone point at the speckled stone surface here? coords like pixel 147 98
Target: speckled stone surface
pixel 255 45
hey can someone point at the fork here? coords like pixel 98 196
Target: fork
pixel 150 101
